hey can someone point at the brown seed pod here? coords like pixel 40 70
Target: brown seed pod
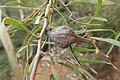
pixel 64 36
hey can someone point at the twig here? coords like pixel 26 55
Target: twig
pixel 61 15
pixel 37 57
pixel 21 10
pixel 52 11
pixel 74 56
pixel 75 19
pixel 35 12
pixel 113 45
pixel 87 33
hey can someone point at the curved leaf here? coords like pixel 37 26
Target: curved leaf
pixel 111 41
pixel 96 30
pixel 84 60
pixel 98 8
pixel 16 24
pixel 95 2
pixel 14 3
pixel 81 49
pixel 100 19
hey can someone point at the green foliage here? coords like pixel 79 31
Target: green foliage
pixel 17 24
pixel 14 3
pixel 112 41
pixel 82 15
pixel 100 19
pixel 95 2
pixel 81 49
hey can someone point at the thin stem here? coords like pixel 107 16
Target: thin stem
pixel 85 30
pixel 21 11
pixel 37 57
pixel 74 56
pixel 75 19
pixel 113 45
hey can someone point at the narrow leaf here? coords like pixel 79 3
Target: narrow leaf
pixel 97 11
pixel 111 41
pixel 83 60
pixel 98 8
pixel 96 30
pixel 80 49
pixel 16 24
pixel 57 77
pixel 95 2
pixel 100 19
pixel 79 32
pixel 14 3
pixel 86 73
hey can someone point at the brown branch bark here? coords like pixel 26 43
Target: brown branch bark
pixel 37 57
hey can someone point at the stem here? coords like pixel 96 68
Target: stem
pixel 86 31
pixel 113 45
pixel 37 57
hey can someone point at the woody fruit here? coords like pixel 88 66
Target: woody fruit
pixel 64 36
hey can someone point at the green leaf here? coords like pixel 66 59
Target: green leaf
pixel 16 24
pixel 86 73
pixel 100 19
pixel 57 77
pixel 83 60
pixel 14 3
pixel 40 73
pixel 79 32
pixel 108 2
pixel 111 41
pixel 98 8
pixel 80 49
pixel 96 30
pixel 95 2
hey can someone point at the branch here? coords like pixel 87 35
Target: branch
pixel 37 57
pixel 87 33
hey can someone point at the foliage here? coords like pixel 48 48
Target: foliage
pixel 85 16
